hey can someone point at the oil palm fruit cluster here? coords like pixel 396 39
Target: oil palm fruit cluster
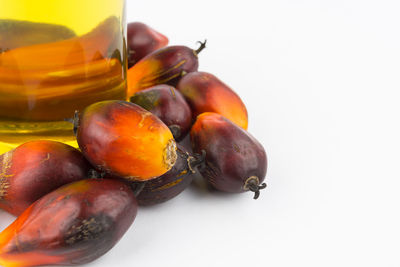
pixel 73 205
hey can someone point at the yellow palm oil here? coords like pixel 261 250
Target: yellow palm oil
pixel 57 56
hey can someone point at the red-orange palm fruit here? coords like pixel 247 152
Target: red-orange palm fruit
pixel 143 40
pixel 72 225
pixel 125 140
pixel 235 161
pixel 206 93
pixel 36 168
pixel 164 66
pixel 169 105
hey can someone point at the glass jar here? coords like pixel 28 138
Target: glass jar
pixel 57 56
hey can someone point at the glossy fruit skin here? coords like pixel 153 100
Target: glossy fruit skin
pixel 35 169
pixel 143 40
pixel 206 93
pixel 232 154
pixel 125 140
pixel 73 225
pixel 164 66
pixel 169 105
pixel 169 185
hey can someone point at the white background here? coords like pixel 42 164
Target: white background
pixel 320 80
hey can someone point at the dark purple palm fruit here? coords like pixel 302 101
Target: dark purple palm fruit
pixel 172 183
pixel 235 161
pixel 169 105
pixel 143 40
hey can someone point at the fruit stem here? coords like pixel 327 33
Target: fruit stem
pixel 93 174
pixel 202 46
pixel 197 161
pixel 253 184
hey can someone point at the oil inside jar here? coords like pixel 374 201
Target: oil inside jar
pixel 47 71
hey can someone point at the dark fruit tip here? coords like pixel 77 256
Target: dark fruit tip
pixel 253 184
pixel 202 46
pixel 257 190
pixel 175 130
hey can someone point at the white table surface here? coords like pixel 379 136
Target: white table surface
pixel 320 80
